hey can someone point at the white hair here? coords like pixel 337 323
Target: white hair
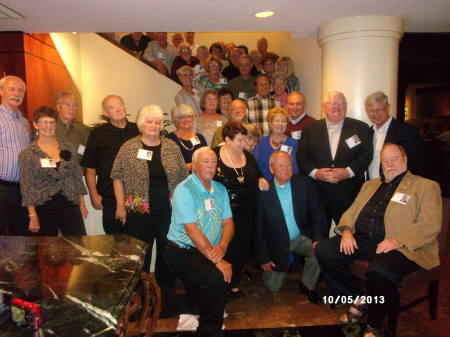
pixel 331 94
pixel 151 110
pixel 199 152
pixel 10 77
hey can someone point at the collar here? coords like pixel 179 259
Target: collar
pixel 334 126
pixel 258 96
pixel 281 186
pixel 298 119
pixel 12 114
pixel 199 183
pixel 385 126
pixel 61 124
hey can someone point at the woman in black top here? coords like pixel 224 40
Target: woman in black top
pixel 183 117
pixel 238 171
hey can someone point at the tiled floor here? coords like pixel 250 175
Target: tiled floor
pixel 261 309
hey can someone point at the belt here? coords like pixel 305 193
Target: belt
pixel 9 183
pixel 173 244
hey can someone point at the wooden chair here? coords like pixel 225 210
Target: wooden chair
pixel 430 277
pixel 142 310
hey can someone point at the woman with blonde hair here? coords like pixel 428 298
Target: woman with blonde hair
pixel 286 67
pixel 277 140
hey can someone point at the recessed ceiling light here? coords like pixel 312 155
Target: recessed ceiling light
pixel 74 33
pixel 264 14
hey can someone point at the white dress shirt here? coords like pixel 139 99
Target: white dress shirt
pixel 379 137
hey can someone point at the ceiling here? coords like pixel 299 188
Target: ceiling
pixel 299 16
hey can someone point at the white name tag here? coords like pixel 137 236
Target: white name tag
pixel 223 81
pixel 353 141
pixel 194 140
pixel 219 123
pixel 401 198
pixel 47 162
pixel 296 134
pixel 81 149
pixel 210 204
pixel 286 148
pixel 242 95
pixel 144 154
pixel 161 55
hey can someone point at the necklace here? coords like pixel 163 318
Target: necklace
pixel 276 144
pixel 182 144
pixel 240 177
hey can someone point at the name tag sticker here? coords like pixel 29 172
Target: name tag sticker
pixel 242 95
pixel 222 81
pixel 194 140
pixel 210 204
pixel 286 148
pixel 144 154
pixel 401 198
pixel 296 134
pixel 160 55
pixel 353 141
pixel 81 149
pixel 46 162
pixel 219 123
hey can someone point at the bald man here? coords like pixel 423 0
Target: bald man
pixel 296 105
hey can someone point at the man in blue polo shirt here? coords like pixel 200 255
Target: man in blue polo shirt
pixel 200 231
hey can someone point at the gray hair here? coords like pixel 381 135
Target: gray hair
pixel 199 152
pixel 279 76
pixel 278 153
pixel 331 94
pixel 184 44
pixel 182 110
pixel 10 77
pixel 183 70
pixel 151 110
pixel 376 97
pixel 63 94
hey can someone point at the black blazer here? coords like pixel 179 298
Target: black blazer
pixel 271 233
pixel 408 136
pixel 314 152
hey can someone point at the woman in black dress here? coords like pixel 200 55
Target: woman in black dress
pixel 238 171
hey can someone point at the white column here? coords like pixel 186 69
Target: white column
pixel 360 56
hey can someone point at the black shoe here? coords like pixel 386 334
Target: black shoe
pixel 232 295
pixel 312 295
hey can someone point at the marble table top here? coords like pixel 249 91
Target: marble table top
pixel 81 283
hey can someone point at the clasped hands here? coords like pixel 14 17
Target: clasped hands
pixel 332 175
pixel 215 255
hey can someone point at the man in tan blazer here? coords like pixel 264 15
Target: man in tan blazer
pixel 394 223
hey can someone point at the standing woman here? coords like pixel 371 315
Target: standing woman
pixel 213 79
pixel 275 141
pixel 225 98
pixel 238 171
pixel 184 58
pixel 145 173
pixel 50 181
pixel 200 68
pixel 209 120
pixel 187 94
pixel 286 67
pixel 279 83
pixel 187 140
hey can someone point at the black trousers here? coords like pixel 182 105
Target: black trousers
pixel 205 280
pixel 110 224
pixel 13 217
pixel 383 276
pixel 60 213
pixel 147 228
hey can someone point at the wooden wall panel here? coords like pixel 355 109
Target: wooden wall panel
pixel 34 58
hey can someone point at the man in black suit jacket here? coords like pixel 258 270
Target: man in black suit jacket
pixel 336 151
pixel 289 218
pixel 389 130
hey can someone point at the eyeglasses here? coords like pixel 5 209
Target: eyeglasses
pixel 46 122
pixel 70 105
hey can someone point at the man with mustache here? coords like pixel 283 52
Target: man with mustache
pixel 14 137
pixel 200 231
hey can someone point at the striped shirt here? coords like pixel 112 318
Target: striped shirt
pixel 258 108
pixel 14 137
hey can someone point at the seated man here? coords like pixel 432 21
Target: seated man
pixel 393 222
pixel 199 234
pixel 288 219
pixel 160 53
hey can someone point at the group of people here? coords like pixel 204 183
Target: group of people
pixel 255 180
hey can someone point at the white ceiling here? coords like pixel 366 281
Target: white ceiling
pixel 299 16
